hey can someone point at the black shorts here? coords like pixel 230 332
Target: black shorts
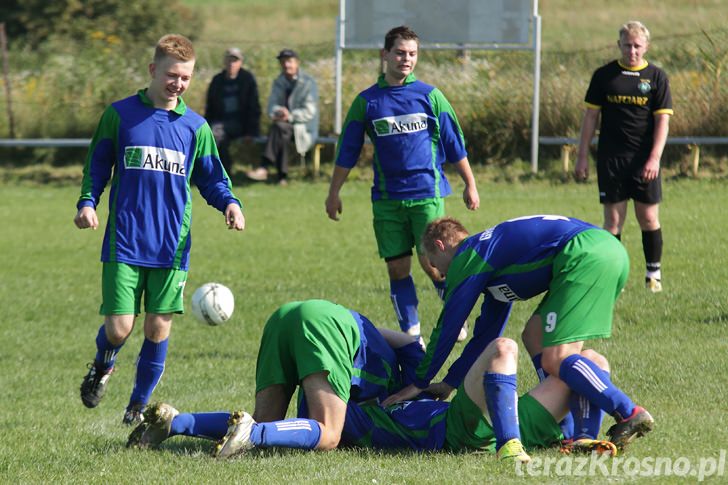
pixel 619 179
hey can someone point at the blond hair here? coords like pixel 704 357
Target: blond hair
pixel 634 27
pixel 176 46
pixel 446 229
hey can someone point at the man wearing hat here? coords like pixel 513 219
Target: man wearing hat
pixel 293 108
pixel 233 109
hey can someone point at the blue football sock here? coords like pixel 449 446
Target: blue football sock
pixel 150 367
pixel 404 299
pixel 106 352
pixel 566 424
pixel 288 433
pixel 584 377
pixel 212 426
pixel 440 288
pixel 502 401
pixel 587 417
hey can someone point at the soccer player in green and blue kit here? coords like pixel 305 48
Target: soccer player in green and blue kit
pixel 151 146
pixel 581 268
pixel 414 131
pixel 334 354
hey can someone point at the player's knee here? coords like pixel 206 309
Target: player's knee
pixel 597 358
pixel 505 347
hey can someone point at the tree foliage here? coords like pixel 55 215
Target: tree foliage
pixel 133 22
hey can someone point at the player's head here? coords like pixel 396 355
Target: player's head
pixel 401 47
pixel 634 39
pixel 171 70
pixel 175 46
pixel 402 32
pixel 440 241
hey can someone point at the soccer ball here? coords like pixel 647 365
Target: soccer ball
pixel 213 303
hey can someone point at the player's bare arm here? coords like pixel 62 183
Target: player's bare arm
pixel 86 217
pixel 234 217
pixel 406 394
pixel 470 193
pixel 334 207
pixel 440 390
pixel 588 128
pixel 652 166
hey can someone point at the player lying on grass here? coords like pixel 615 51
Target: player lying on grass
pixel 463 424
pixel 332 353
pixel 321 347
pixel 582 269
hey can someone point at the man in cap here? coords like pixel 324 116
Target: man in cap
pixel 232 108
pixel 293 108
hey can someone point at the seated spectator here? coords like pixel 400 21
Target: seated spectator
pixel 233 109
pixel 293 108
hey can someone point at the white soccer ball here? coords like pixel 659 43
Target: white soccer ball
pixel 213 303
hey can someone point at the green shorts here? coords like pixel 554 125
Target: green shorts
pixel 468 429
pixel 399 224
pixel 122 286
pixel 302 338
pixel 588 276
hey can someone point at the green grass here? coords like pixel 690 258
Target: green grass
pixel 668 350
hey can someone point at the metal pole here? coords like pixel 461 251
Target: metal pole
pixel 6 76
pixel 536 87
pixel 338 65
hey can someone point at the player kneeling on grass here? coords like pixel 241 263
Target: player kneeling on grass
pixel 152 147
pixel 332 353
pixel 463 424
pixel 580 268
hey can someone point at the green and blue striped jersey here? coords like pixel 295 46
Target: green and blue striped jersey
pixel 151 156
pixel 414 131
pixel 508 262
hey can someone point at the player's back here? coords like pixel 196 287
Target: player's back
pixel 417 425
pixel 376 371
pixel 514 258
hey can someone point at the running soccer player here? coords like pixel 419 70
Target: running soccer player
pixel 634 101
pixel 414 130
pixel 151 146
pixel 581 267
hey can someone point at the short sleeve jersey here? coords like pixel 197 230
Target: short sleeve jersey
pixel 509 262
pixel 414 131
pixel 151 155
pixel 628 99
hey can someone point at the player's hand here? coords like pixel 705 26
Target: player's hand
pixel 86 217
pixel 581 170
pixel 234 217
pixel 471 197
pixel 440 390
pixel 334 206
pixel 650 170
pixel 406 394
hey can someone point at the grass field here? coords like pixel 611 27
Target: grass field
pixel 668 350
